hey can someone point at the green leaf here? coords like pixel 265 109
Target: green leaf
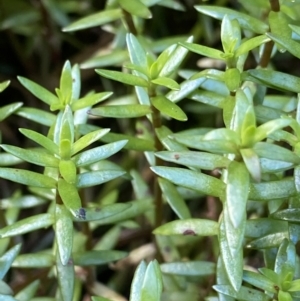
pixel 66 84
pixel 5 289
pixel 7 110
pixel 66 279
pixel 98 153
pixel 137 282
pixel 121 111
pixel 88 139
pixel 38 91
pixel 246 21
pixel 275 79
pixel 167 107
pixel 136 8
pixel 279 24
pixel 69 194
pixel 40 139
pixel 252 163
pixel 136 208
pixel 63 233
pixel 4 85
pixel 174 199
pixel 90 100
pixel 272 190
pixel 284 296
pixel 191 179
pixel 115 57
pixel 136 52
pixel 94 20
pixel 275 152
pixel 169 61
pixel 28 224
pixel 37 115
pixel 233 265
pixel 186 88
pixel 88 179
pixel 290 215
pixel 27 293
pixel 68 170
pixel 260 281
pixel 98 213
pixel 230 36
pixel 7 259
pixel 190 268
pixel 100 257
pixel 200 160
pixel 34 260
pixel 232 78
pixel 244 293
pixel 236 192
pixel 38 157
pixel 124 78
pixel 166 82
pixel 152 285
pixel 203 50
pixel 260 227
pixel 201 227
pixel 251 44
pixel 272 240
pixel 27 177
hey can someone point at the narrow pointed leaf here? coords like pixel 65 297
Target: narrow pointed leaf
pixel 260 281
pixel 191 268
pixel 251 44
pixel 167 107
pixel 121 111
pixel 28 224
pixel 246 21
pixel 63 233
pixel 98 153
pixel 166 82
pixel 272 240
pixel 174 199
pixel 233 266
pixel 34 260
pixel 7 110
pixel 236 192
pixel 275 79
pixel 27 293
pixel 66 279
pixel 38 91
pixel 124 78
pixel 201 227
pixel 37 115
pixel 88 139
pixel 69 194
pixel 90 100
pixel 203 50
pixel 33 156
pixel 152 285
pixel 200 160
pixel 252 163
pixel 94 20
pixel 191 179
pixel 4 85
pixel 41 140
pixel 272 190
pixel 137 282
pixel 7 259
pixel 98 213
pixel 244 293
pixel 290 215
pixel 136 52
pixel 27 177
pixel 93 178
pixel 136 8
pixel 100 257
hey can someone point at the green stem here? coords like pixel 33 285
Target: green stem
pixel 129 22
pixel 266 56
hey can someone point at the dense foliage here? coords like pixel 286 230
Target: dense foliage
pixel 149 150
